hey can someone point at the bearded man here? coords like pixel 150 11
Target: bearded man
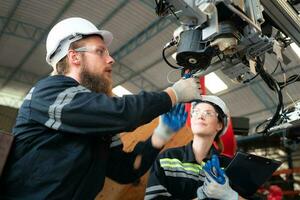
pixel 66 132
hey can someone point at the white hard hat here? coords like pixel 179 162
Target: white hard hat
pixel 67 31
pixel 219 103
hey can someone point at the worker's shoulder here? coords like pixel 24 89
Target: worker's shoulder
pixel 57 81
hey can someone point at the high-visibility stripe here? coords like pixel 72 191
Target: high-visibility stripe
pixel 175 160
pixel 155 188
pixel 29 95
pixel 185 175
pixel 159 191
pixel 64 98
pixel 178 166
pixel 115 137
pixel 168 163
pixel 115 143
pixel 152 196
pixel 180 169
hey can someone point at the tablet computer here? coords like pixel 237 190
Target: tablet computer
pixel 247 172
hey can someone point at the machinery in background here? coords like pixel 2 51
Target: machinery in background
pixel 234 36
pixel 238 32
pixel 284 135
pixel 240 125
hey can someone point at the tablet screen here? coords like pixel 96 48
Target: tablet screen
pixel 248 172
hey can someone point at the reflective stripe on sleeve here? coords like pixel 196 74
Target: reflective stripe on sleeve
pixel 63 98
pixel 29 95
pixel 154 191
pixel 176 168
pixel 116 141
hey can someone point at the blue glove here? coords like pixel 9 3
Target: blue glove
pixel 214 170
pixel 175 119
pixel 216 184
pixel 171 122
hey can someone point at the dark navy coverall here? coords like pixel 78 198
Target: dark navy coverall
pixel 67 142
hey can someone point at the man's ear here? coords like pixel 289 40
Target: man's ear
pixel 74 57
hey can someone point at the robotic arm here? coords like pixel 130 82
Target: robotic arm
pixel 235 32
pixel 232 35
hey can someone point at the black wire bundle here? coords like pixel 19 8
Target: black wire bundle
pixel 168 45
pixel 292 79
pixel 273 85
pixel 278 86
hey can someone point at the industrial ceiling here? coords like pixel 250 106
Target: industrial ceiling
pixel 139 36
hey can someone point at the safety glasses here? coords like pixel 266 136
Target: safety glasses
pixel 100 51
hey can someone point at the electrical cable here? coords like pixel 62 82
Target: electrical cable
pixel 273 85
pixel 169 73
pixel 277 65
pixel 292 79
pixel 256 75
pixel 168 45
pixel 250 79
pixel 287 81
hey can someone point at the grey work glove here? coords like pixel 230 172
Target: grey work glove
pixel 171 122
pixel 212 189
pixel 187 89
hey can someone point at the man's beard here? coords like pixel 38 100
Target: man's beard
pixel 95 83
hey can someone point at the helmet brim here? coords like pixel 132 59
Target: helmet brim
pixel 106 35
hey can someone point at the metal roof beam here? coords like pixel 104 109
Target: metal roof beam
pixel 22 30
pixel 108 17
pixel 121 69
pixel 142 37
pixel 150 4
pixel 135 42
pixel 138 73
pixel 21 76
pixel 157 26
pixel 36 44
pixel 125 72
pixel 10 15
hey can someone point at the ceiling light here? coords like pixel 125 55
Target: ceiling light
pixel 214 84
pixel 120 91
pixel 296 48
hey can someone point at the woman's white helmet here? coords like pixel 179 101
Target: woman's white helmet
pixel 216 101
pixel 67 31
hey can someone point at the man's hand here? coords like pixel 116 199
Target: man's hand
pixel 169 123
pixel 185 90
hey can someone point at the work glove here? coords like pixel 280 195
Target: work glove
pixel 171 122
pixel 187 89
pixel 216 184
